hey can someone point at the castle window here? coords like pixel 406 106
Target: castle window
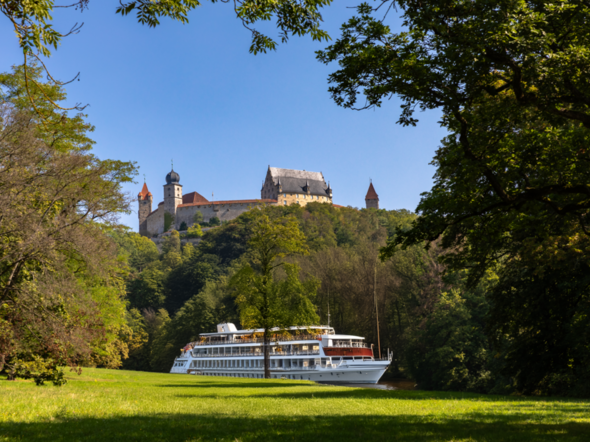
pixel 297 195
pixel 284 195
pixel 285 202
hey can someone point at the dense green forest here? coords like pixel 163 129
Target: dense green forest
pixel 434 326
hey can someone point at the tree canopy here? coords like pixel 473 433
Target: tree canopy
pixel 509 79
pixel 265 300
pixel 61 280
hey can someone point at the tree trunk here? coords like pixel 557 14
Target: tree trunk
pixel 266 355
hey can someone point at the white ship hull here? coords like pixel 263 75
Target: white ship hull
pixel 368 372
pixel 324 357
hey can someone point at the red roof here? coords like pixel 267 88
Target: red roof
pixel 193 197
pixel 371 194
pixel 144 192
pixel 206 203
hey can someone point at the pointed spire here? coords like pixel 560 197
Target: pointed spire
pixel 144 192
pixel 371 194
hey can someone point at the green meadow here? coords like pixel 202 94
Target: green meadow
pixel 104 405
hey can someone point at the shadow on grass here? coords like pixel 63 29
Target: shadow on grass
pixel 187 427
pixel 326 391
pixel 245 384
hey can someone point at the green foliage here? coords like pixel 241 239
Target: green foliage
pixel 147 289
pixel 33 21
pixel 213 222
pixel 168 221
pixel 194 231
pixel 61 282
pixel 138 250
pixel 449 349
pixel 189 277
pixel 540 325
pixel 183 227
pixel 200 314
pixel 137 341
pixel 264 301
pixel 198 218
pixel 512 179
pixel 38 369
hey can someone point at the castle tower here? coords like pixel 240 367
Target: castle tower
pixel 172 193
pixel 372 199
pixel 144 199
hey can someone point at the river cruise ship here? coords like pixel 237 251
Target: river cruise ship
pixel 314 353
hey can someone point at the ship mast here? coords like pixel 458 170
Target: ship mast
pixel 376 310
pixel 328 306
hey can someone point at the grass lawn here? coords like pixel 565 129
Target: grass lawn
pixel 124 405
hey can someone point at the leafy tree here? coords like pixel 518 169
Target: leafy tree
pixel 183 227
pixel 137 341
pixel 213 222
pixel 138 250
pixel 540 324
pixel 512 176
pixel 212 305
pixel 34 28
pixel 147 289
pixel 198 218
pixel 229 242
pixel 449 348
pixel 60 277
pixel 188 278
pixel 263 300
pixel 168 221
pixel 194 231
pixel 508 80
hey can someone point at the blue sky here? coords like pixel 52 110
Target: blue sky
pixel 193 93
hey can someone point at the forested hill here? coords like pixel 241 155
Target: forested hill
pixel 175 294
pixel 436 327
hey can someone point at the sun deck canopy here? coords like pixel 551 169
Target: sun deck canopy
pixel 230 329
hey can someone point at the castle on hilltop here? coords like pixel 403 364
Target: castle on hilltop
pixel 182 207
pixel 288 186
pixel 282 186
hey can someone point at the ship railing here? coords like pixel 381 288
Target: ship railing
pixel 272 340
pixel 260 354
pixel 354 345
pixel 235 369
pixel 282 369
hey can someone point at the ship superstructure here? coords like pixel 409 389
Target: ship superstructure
pixel 314 353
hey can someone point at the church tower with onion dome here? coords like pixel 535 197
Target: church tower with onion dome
pixel 172 193
pixel 145 200
pixel 372 199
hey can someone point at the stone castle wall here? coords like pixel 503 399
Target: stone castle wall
pixel 155 222
pixel 223 211
pixel 372 204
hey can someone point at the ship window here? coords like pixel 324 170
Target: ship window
pixel 347 358
pixel 304 347
pixel 316 347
